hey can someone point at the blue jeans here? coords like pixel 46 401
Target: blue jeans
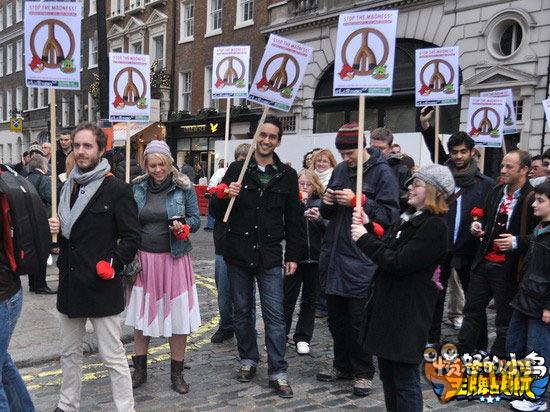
pixel 270 285
pixel 209 220
pixel 14 396
pixel 401 383
pixel 225 303
pixel 526 334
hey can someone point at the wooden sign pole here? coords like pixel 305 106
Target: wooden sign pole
pixel 226 141
pixel 482 159
pixel 53 141
pixel 360 152
pixel 127 156
pixel 436 141
pixel 247 161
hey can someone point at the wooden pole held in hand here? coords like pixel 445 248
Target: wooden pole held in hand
pixel 360 151
pixel 246 161
pixel 226 141
pixel 436 141
pixel 127 156
pixel 53 141
pixel 482 159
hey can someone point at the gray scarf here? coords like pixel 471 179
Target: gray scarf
pixel 89 183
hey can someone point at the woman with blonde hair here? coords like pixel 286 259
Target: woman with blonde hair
pixel 306 276
pixel 163 300
pixel 323 164
pixel 406 289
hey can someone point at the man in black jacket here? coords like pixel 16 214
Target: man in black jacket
pixel 99 233
pixel 470 191
pixel 266 212
pixel 65 147
pixel 507 221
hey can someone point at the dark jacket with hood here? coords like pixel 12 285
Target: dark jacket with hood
pixel 534 291
pixel 404 293
pixel 315 229
pixel 262 217
pixel 348 272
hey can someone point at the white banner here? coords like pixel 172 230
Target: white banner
pixel 486 120
pixel 280 73
pixel 510 126
pixel 230 67
pixel 129 87
pixel 436 77
pixel 546 105
pixel 365 53
pixel 52 44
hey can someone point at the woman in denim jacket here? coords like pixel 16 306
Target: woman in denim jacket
pixel 163 300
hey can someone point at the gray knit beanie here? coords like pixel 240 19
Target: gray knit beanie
pixel 438 176
pixel 158 146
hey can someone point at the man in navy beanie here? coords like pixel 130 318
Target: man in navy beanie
pixel 346 273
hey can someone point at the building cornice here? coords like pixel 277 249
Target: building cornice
pixel 11 34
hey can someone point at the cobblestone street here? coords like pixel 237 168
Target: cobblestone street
pixel 212 368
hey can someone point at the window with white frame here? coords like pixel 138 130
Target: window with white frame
pixel 158 50
pixel 64 111
pixel 518 107
pixel 1 18
pixel 19 55
pixel 1 60
pixel 136 47
pixel 31 94
pixel 288 123
pixel 187 20
pixel 77 109
pixel 1 106
pixel 9 103
pixel 117 7
pixel 91 117
pixel 9 58
pixel 214 17
pixel 19 99
pixel 185 84
pixel 245 11
pixel 208 101
pixel 9 14
pixel 93 7
pixel 18 10
pixel 92 51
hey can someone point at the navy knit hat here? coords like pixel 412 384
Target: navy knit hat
pixel 347 137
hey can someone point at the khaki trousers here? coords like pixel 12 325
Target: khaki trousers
pixel 108 331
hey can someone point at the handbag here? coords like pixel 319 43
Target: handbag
pixel 132 270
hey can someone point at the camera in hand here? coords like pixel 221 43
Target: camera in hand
pixel 173 219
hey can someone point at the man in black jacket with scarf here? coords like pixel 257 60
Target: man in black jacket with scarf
pixel 266 212
pixel 504 228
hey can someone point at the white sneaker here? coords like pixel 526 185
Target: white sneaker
pixel 302 348
pixel 525 405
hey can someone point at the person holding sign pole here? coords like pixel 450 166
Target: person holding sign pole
pixel 267 211
pixel 348 272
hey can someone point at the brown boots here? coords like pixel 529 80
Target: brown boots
pixel 139 377
pixel 176 375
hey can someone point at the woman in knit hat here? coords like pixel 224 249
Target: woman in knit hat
pixel 405 294
pixel 163 300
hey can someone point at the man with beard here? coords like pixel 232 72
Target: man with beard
pixel 99 233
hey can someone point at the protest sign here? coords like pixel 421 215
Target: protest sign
pixel 230 67
pixel 510 126
pixel 486 120
pixel 436 77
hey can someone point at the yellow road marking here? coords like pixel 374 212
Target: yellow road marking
pixel 196 341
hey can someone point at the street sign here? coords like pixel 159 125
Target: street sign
pixel 16 124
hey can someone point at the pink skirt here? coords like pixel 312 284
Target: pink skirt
pixel 163 300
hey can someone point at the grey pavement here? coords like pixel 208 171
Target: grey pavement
pixel 211 368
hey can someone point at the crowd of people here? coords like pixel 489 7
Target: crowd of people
pixel 380 272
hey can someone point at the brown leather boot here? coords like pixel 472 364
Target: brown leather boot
pixel 176 375
pixel 139 377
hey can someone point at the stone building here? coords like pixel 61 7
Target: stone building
pixel 503 44
pixel 31 104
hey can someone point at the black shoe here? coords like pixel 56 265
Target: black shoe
pixel 176 376
pixel 332 374
pixel 221 335
pixel 282 388
pixel 139 377
pixel 246 373
pixel 45 291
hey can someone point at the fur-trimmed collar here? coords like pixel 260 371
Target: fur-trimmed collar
pixel 179 179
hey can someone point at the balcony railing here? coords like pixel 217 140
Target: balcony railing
pixel 303 6
pixel 154 2
pixel 135 6
pixel 116 14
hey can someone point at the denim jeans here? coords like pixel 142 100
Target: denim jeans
pixel 270 285
pixel 401 383
pixel 14 396
pixel 209 220
pixel 526 334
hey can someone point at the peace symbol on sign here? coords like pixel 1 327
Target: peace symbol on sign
pixel 279 79
pixel 131 93
pixel 365 60
pixel 485 124
pixel 231 74
pixel 437 79
pixel 52 53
